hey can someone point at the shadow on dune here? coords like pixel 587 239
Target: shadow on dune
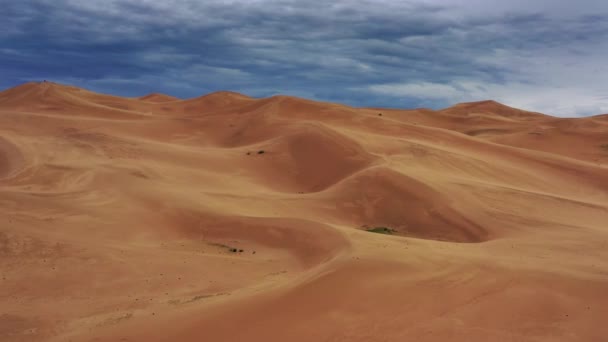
pixel 383 197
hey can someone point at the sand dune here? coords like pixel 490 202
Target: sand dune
pixel 11 159
pixel 230 218
pixel 156 97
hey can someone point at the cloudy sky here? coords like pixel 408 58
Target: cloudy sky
pixel 544 55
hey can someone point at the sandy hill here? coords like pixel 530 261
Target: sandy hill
pixel 156 97
pixel 490 108
pixel 230 218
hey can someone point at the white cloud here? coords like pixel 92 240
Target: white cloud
pixel 564 101
pixel 422 90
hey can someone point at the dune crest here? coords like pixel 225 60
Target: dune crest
pixel 158 98
pixel 490 107
pixel 231 218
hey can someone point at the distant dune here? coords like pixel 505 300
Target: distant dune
pixel 230 218
pixel 155 97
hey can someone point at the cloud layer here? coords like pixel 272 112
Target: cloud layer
pixel 546 55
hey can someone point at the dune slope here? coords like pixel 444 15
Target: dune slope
pixel 229 218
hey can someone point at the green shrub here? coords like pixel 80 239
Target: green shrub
pixel 381 230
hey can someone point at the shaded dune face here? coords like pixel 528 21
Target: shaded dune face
pixel 225 217
pixel 11 159
pixel 5 166
pixel 381 197
pixel 320 158
pixel 309 159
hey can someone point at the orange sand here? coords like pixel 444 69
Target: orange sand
pixel 118 216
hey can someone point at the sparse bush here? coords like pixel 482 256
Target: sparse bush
pixel 381 230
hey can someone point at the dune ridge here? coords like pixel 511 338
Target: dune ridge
pixel 226 217
pixel 157 97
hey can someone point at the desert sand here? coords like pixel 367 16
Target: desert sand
pixel 229 218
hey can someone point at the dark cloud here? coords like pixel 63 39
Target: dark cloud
pixel 546 56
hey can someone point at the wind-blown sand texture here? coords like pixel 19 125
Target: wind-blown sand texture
pixel 123 219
